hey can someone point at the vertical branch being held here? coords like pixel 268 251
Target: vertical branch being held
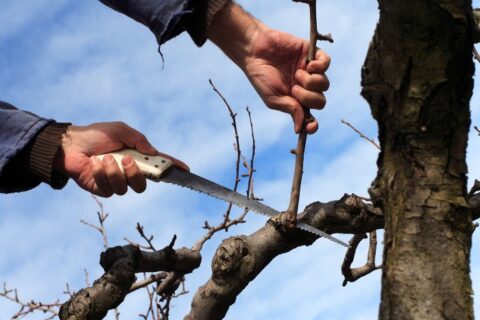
pixel 302 138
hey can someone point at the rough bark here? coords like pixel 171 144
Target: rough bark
pixel 120 265
pixel 418 80
pixel 240 259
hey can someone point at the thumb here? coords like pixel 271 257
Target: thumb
pixel 136 140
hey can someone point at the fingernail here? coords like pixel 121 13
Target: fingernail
pixel 127 161
pixel 108 158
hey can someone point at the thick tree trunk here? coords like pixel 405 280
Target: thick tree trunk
pixel 418 80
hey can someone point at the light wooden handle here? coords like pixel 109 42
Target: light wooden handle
pixel 152 166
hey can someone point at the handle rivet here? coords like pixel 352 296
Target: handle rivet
pixel 156 166
pixel 147 158
pixel 163 161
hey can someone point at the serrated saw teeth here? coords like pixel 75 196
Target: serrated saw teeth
pixel 193 182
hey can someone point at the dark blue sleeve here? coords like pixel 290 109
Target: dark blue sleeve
pixel 165 18
pixel 17 129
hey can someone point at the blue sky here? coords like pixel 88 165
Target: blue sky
pixel 79 61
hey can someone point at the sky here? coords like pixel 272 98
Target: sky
pixel 81 62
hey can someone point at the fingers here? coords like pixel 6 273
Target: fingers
pixel 135 178
pixel 115 176
pixel 311 99
pixel 290 105
pixel 317 82
pixel 311 82
pixel 111 179
pixel 320 64
pixel 102 185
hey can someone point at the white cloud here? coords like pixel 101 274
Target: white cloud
pixel 18 16
pixel 92 64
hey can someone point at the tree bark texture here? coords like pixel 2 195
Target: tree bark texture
pixel 120 265
pixel 240 259
pixel 417 78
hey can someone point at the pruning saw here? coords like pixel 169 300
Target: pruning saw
pixel 161 169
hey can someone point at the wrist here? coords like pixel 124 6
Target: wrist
pixel 59 159
pixel 234 31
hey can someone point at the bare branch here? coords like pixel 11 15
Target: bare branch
pixel 139 228
pixel 212 230
pixel 478 130
pixel 120 265
pixel 361 134
pixel 227 222
pixel 87 280
pixel 476 55
pixel 475 188
pixel 240 259
pixel 148 280
pixel 102 216
pixel 251 167
pixel 236 145
pixel 352 275
pixel 51 309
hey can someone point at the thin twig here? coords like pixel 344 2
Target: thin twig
pixel 133 243
pixel 352 275
pixel 227 223
pixel 478 130
pixel 68 291
pixel 476 55
pixel 102 216
pixel 251 168
pixel 475 188
pixel 148 280
pixel 87 280
pixel 31 306
pixel 212 230
pixel 149 240
pixel 361 134
pixel 233 116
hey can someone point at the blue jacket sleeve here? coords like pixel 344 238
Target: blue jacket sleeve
pixel 165 18
pixel 17 129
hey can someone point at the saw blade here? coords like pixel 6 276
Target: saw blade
pixel 194 182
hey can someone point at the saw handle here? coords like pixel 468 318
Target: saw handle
pixel 152 166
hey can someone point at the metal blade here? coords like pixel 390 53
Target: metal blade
pixel 197 183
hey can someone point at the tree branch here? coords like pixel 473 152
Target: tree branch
pixel 360 134
pixel 30 306
pixel 240 259
pixel 352 275
pixel 120 265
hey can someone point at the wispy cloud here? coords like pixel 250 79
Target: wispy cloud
pixel 85 63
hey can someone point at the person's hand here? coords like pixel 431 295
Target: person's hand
pixel 76 158
pixel 274 62
pixel 276 66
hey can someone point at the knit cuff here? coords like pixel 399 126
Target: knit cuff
pixel 42 153
pixel 197 26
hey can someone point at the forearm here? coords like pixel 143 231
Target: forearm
pixel 233 30
pixel 28 144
